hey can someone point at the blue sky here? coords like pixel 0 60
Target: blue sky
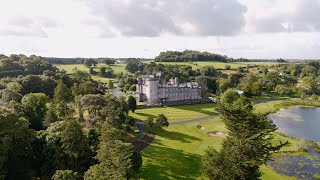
pixel 143 28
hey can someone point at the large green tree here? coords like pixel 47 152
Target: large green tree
pixel 34 107
pixel 15 146
pixel 247 146
pixel 113 155
pixel 132 103
pixel 74 145
pixel 62 95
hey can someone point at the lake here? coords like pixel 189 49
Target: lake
pixel 301 122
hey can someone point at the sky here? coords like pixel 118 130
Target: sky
pixel 254 29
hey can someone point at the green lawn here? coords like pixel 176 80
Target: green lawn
pixel 177 150
pixel 177 113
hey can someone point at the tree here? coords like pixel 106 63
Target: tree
pixel 149 121
pixel 283 90
pixel 114 157
pixel 229 97
pixel 209 71
pixel 135 66
pixel 50 116
pixel 103 70
pixel 89 62
pixel 121 83
pixel 34 107
pixel 247 146
pixel 15 146
pixel 207 84
pixel 126 87
pixel 250 85
pixel 223 85
pixel 235 79
pixel 75 146
pixel 62 95
pixel 14 86
pixel 133 87
pixel 162 121
pixel 132 103
pixel 110 84
pixel 80 76
pixel 228 67
pixel 8 95
pixel 66 175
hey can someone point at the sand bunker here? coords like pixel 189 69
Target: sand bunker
pixel 219 134
pixel 200 127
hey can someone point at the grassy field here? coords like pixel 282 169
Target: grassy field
pixel 195 65
pixel 176 151
pixel 69 69
pixel 177 113
pixel 198 65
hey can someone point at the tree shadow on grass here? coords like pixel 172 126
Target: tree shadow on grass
pixel 146 115
pixel 162 162
pixel 198 110
pixel 172 135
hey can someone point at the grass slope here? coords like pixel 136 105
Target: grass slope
pixel 176 151
pixel 176 113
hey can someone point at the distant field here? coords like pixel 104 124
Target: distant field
pixel 198 65
pixel 69 67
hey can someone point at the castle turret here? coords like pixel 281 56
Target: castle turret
pixel 152 90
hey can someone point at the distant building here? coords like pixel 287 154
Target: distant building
pixel 153 89
pixel 240 92
pixel 119 61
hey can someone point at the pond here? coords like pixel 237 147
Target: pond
pixel 300 166
pixel 301 122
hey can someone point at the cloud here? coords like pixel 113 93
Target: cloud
pixel 26 32
pixel 26 26
pixel 284 16
pixel 150 18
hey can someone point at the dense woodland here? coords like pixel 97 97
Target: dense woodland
pixel 45 134
pixel 59 126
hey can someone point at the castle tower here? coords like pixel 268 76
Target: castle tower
pixel 152 88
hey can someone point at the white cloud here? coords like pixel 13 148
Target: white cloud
pixel 283 16
pixel 149 18
pixel 143 28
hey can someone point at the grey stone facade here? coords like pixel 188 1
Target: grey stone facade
pixel 153 89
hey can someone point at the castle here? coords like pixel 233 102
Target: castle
pixel 153 89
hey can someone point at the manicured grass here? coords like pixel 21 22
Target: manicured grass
pixel 177 113
pixel 177 150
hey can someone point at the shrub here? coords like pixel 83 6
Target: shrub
pixel 162 121
pixel 149 121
